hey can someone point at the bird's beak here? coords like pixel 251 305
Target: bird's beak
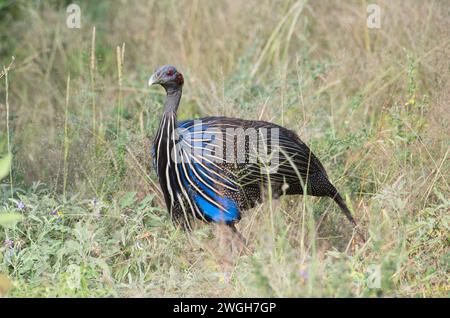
pixel 153 80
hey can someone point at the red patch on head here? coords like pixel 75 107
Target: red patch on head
pixel 180 79
pixel 169 73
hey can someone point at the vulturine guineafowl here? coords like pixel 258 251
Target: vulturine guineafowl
pixel 214 168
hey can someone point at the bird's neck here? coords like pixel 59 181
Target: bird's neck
pixel 173 100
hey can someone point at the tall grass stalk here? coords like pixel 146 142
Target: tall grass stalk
pixel 8 132
pixel 366 29
pixel 92 76
pixel 120 54
pixel 66 136
pixel 274 41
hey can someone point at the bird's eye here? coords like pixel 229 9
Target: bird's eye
pixel 169 73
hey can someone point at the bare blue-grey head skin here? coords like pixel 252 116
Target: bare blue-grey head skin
pixel 168 77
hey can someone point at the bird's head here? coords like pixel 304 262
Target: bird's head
pixel 168 77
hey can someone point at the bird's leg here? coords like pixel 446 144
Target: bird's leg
pixel 237 233
pixel 240 239
pixel 360 234
pixel 224 251
pixel 229 237
pixel 231 240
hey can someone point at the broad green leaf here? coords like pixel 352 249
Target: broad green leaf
pixel 9 218
pixel 5 284
pixel 5 163
pixel 128 199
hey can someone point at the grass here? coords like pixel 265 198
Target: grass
pixel 371 103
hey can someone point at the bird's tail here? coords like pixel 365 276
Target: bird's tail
pixel 338 199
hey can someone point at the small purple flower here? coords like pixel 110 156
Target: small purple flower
pixel 94 201
pixel 9 244
pixel 303 274
pixel 57 213
pixel 20 205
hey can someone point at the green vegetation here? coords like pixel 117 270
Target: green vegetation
pixel 81 213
